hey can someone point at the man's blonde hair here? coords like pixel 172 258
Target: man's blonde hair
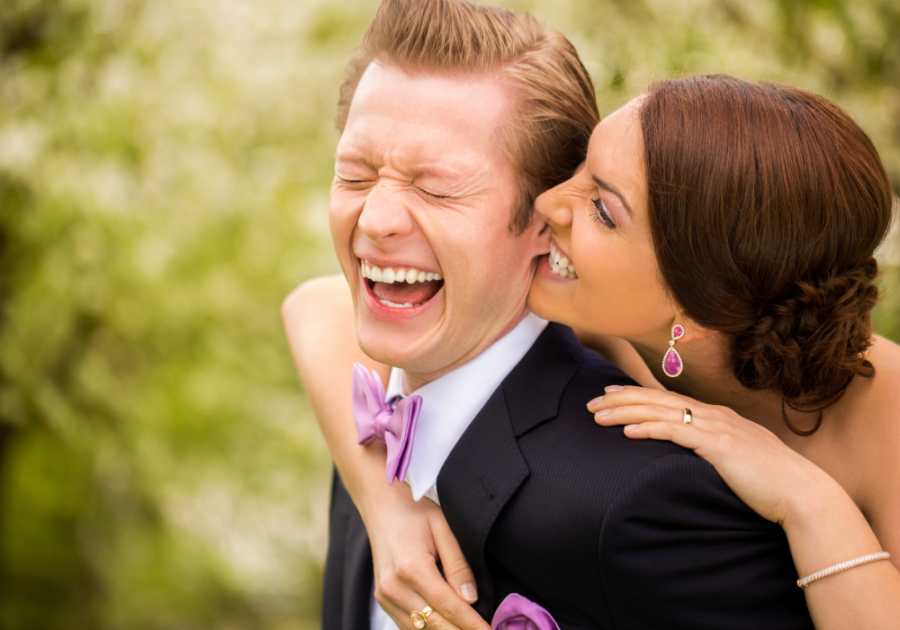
pixel 556 108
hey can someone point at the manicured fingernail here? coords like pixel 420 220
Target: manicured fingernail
pixel 593 404
pixel 614 388
pixel 602 412
pixel 469 592
pixel 629 427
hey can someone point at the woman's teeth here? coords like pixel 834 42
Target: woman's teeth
pixel 560 265
pixel 390 275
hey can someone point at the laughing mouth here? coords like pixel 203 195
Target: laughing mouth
pixel 401 287
pixel 561 265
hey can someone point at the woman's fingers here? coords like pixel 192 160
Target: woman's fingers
pixel 450 606
pixel 401 617
pixel 450 611
pixel 408 540
pixel 638 414
pixel 399 602
pixel 618 395
pixel 681 434
pixel 417 583
pixel 457 571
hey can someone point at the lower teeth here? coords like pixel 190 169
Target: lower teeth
pixel 565 273
pixel 392 305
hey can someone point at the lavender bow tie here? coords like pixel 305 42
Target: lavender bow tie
pixel 519 613
pixel 375 418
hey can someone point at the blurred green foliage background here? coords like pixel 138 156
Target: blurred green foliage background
pixel 164 172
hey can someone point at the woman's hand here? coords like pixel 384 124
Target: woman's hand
pixel 408 538
pixel 766 474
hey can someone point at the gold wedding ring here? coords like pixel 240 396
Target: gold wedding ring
pixel 419 620
pixel 688 416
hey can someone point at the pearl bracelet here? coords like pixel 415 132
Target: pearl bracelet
pixel 843 566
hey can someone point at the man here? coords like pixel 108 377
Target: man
pixel 453 118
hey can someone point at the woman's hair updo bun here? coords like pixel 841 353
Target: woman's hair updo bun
pixel 811 342
pixel 766 205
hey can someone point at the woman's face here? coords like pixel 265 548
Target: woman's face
pixel 598 221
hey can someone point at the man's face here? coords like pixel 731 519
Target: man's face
pixel 423 191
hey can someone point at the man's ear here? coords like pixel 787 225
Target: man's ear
pixel 538 236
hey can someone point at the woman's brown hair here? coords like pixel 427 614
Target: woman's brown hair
pixel 766 205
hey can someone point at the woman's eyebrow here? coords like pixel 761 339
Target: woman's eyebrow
pixel 610 188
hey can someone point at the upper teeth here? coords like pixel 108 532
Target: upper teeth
pixel 390 275
pixel 560 265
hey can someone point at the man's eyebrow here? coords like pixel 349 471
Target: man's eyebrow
pixel 437 169
pixel 348 157
pixel 610 188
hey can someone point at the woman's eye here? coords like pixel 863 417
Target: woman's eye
pixel 602 214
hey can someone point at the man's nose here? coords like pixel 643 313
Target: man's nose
pixel 554 206
pixel 385 215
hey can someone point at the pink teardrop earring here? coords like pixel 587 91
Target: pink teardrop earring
pixel 672 364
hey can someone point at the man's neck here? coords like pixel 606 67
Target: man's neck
pixel 414 380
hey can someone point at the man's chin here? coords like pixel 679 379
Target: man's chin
pixel 394 344
pixel 386 354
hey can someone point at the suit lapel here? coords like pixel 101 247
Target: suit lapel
pixel 535 386
pixel 485 468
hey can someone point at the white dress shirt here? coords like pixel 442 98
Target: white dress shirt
pixel 449 404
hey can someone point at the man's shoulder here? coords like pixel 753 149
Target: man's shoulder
pixel 547 396
pixel 572 376
pixel 571 445
pixel 595 371
pixel 589 381
pixel 628 472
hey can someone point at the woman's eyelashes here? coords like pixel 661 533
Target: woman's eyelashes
pixel 601 214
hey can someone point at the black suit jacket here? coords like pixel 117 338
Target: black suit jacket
pixel 602 531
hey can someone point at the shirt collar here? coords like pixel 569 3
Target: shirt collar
pixel 451 402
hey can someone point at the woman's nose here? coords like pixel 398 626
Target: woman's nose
pixel 554 206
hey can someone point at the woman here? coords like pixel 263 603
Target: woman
pixel 728 226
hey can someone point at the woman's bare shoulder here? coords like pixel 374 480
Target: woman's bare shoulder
pixel 319 321
pixel 882 402
pixel 870 411
pixel 318 298
pixel 875 427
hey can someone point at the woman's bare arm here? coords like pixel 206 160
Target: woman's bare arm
pixel 318 318
pixel 407 536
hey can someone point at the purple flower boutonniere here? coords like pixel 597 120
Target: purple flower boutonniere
pixel 518 613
